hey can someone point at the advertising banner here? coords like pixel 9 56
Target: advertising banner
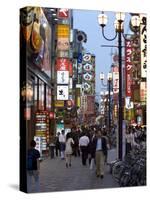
pixel 62 77
pixel 62 92
pixel 128 66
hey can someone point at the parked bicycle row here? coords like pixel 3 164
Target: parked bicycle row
pixel 132 170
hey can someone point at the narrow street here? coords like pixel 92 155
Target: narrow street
pixel 54 176
pixel 76 94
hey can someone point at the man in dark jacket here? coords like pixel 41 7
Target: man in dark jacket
pixel 100 145
pixel 33 167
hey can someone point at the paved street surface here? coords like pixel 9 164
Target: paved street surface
pixel 54 176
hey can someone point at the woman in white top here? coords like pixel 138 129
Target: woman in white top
pixel 68 149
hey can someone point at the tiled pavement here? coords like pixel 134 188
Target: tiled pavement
pixel 54 176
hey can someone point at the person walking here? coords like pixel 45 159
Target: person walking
pixel 57 144
pixel 104 133
pixel 62 140
pixel 83 144
pixel 92 150
pixel 68 149
pixel 100 144
pixel 52 147
pixel 129 141
pixel 33 167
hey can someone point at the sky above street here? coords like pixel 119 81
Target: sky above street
pixel 87 21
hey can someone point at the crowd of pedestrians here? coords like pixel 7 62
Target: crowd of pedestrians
pixel 90 143
pixel 135 136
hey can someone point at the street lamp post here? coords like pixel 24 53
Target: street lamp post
pixel 109 80
pixel 135 21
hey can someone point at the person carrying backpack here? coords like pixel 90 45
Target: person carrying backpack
pixel 33 167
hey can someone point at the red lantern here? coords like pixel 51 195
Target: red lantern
pixel 51 115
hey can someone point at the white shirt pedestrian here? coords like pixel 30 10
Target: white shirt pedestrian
pixel 84 141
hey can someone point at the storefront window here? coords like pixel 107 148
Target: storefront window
pixel 41 95
pixel 35 92
pixel 48 98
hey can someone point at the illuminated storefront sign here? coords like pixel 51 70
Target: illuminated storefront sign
pixel 59 103
pixel 62 77
pixel 62 64
pixel 143 34
pixel 63 31
pixel 62 92
pixel 128 66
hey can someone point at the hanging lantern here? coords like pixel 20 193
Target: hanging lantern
pixel 27 92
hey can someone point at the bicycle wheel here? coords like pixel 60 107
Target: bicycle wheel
pixel 124 180
pixel 116 170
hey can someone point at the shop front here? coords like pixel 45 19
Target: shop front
pixel 36 75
